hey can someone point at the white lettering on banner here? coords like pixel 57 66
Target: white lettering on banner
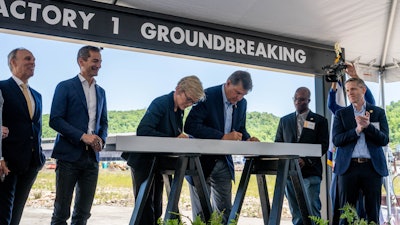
pixel 3 9
pixel 34 10
pixel 216 42
pixel 50 14
pixel 116 25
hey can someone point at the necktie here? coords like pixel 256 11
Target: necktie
pixel 228 117
pixel 300 123
pixel 28 99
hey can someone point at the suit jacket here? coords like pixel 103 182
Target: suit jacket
pixel 345 138
pixel 69 116
pixel 206 120
pixel 22 148
pixel 160 120
pixel 1 120
pixel 287 132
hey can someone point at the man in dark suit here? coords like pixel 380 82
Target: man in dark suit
pixel 359 132
pixel 79 115
pixel 304 126
pixel 3 167
pixel 163 118
pixel 221 116
pixel 22 152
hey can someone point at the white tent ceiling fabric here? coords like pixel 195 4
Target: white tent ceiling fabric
pixel 359 26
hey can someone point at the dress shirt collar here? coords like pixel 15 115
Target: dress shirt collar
pixel 304 114
pixel 83 80
pixel 226 102
pixel 362 108
pixel 19 82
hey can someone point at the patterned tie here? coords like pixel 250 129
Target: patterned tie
pixel 228 117
pixel 28 99
pixel 300 123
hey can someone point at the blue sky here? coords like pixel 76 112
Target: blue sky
pixel 133 79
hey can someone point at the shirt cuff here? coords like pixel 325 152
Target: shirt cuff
pixel 2 158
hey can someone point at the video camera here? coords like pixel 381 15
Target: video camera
pixel 335 71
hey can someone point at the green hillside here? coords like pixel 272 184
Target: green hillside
pixel 259 124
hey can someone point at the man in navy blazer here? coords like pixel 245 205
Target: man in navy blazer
pixel 304 126
pixel 79 115
pixel 163 118
pixel 22 150
pixel 221 116
pixel 359 133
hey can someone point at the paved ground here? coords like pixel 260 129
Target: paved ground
pixel 108 215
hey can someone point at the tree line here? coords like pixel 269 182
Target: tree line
pixel 259 124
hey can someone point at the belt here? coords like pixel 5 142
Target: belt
pixel 360 160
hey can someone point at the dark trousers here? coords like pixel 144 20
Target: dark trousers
pixel 80 176
pixel 14 192
pixel 153 207
pixel 361 177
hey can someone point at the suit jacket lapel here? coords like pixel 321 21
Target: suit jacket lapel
pixel 80 93
pixel 220 111
pixel 369 109
pixel 172 118
pixel 38 104
pixel 294 127
pixel 351 116
pixel 19 95
pixel 234 116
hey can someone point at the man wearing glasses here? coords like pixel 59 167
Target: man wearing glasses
pixel 304 126
pixel 163 118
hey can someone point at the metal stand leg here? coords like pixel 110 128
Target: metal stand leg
pixel 143 195
pixel 176 188
pixel 241 191
pixel 264 198
pixel 201 187
pixel 281 176
pixel 301 195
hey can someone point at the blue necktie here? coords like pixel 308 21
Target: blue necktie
pixel 228 117
pixel 228 129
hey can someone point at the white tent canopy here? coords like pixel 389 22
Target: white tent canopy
pixel 368 30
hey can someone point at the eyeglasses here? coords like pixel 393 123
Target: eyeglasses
pixel 300 99
pixel 189 100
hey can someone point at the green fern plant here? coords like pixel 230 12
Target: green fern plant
pixel 318 220
pixel 349 213
pixel 216 219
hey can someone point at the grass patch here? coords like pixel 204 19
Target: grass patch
pixel 114 188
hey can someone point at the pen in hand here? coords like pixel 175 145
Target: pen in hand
pixel 181 134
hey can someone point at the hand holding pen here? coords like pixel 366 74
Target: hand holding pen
pixel 181 134
pixel 233 135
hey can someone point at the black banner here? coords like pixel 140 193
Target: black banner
pixel 115 25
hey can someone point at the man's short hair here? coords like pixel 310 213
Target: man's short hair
pixel 13 55
pixel 84 52
pixel 308 92
pixel 358 81
pixel 242 77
